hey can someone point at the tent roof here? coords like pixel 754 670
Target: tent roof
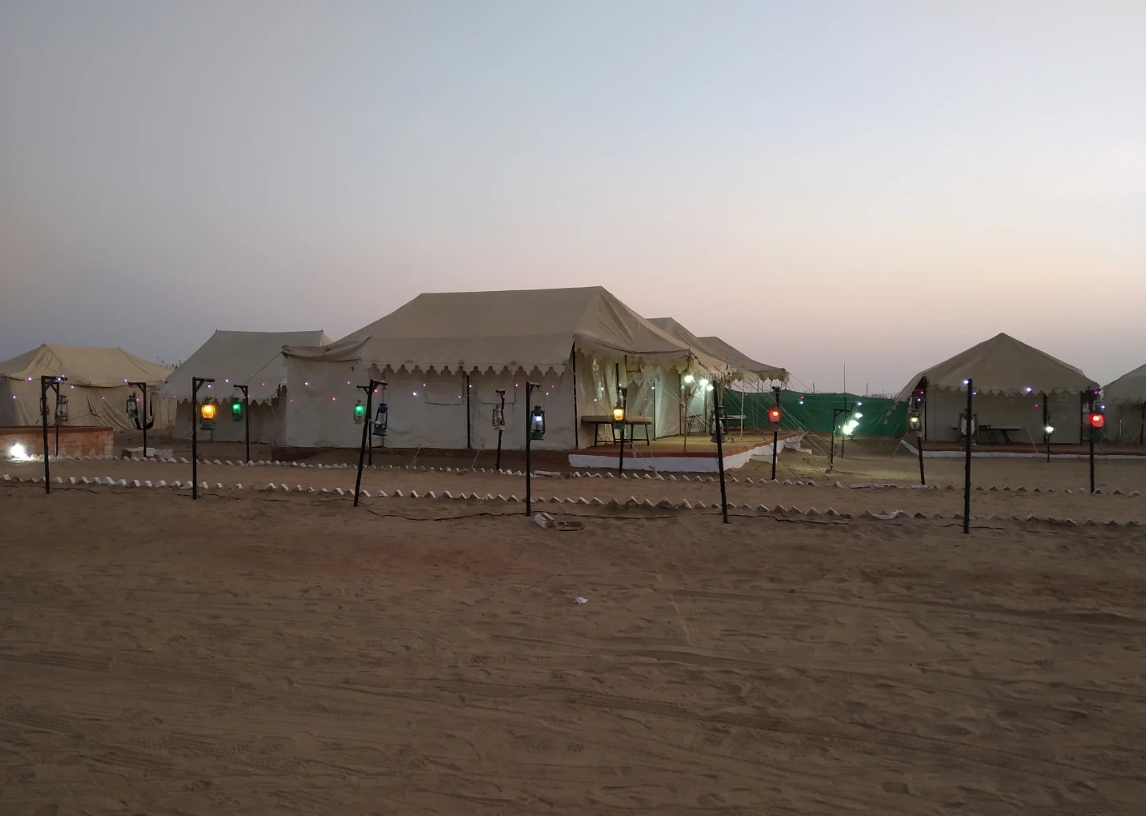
pixel 97 367
pixel 508 330
pixel 742 361
pixel 739 363
pixel 1003 365
pixel 254 359
pixel 1129 389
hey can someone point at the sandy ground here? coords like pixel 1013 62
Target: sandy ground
pixel 269 653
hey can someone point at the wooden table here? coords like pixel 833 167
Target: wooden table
pixel 632 421
pixel 1002 430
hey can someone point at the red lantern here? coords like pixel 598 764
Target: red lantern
pixel 774 416
pixel 1097 420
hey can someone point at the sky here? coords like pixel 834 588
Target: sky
pixel 869 186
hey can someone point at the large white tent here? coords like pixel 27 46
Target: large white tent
pixel 253 359
pixel 1125 400
pixel 96 387
pixel 446 355
pixel 1016 385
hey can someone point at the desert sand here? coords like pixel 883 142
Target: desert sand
pixel 258 652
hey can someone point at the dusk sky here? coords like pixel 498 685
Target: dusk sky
pixel 821 183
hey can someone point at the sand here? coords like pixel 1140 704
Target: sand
pixel 287 653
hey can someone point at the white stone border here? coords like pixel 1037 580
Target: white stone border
pixel 597 474
pixel 631 502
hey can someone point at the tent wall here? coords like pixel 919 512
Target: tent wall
pixel 425 410
pixel 87 406
pixel 651 392
pixel 1124 424
pixel 944 407
pixel 668 401
pixel 266 423
pixel 429 410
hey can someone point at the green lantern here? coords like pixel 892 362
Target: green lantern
pixel 133 407
pixel 236 410
pixel 359 412
pixel 537 423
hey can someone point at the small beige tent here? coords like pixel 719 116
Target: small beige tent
pixel 1125 401
pixel 446 355
pixel 744 371
pixel 232 358
pixel 96 387
pixel 1016 386
pixel 742 362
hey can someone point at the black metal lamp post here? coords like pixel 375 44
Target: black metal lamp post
pixel 967 457
pixel 205 412
pixel 849 426
pixel 46 382
pixel 774 417
pixel 499 422
pixel 619 421
pixel 143 416
pixel 718 416
pixel 1096 421
pixel 360 414
pixel 534 429
pixel 245 409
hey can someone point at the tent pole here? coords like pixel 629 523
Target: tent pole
pixel 469 442
pixel 1046 424
pixel 576 418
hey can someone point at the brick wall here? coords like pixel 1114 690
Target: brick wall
pixel 83 441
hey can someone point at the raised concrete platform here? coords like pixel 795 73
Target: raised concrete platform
pixel 678 454
pixel 952 450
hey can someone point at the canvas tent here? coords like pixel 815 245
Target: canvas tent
pixel 445 356
pixel 747 373
pixel 1015 384
pixel 253 359
pixel 96 388
pixel 1125 400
